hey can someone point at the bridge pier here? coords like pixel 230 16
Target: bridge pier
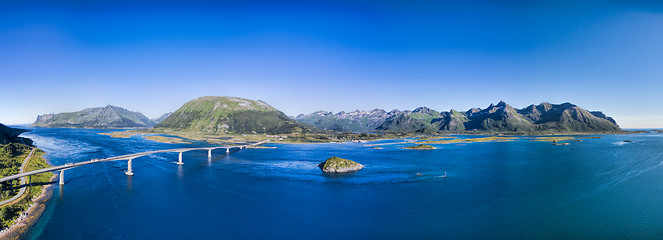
pixel 209 153
pixel 227 150
pixel 180 161
pixel 129 172
pixel 61 177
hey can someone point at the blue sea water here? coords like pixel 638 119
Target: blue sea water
pixel 598 188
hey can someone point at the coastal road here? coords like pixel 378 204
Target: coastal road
pixel 23 179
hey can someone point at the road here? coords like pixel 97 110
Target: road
pixel 23 179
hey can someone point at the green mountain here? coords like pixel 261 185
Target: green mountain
pixel 542 118
pixel 229 115
pixel 418 120
pixel 101 117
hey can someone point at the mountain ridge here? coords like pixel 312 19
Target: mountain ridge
pixel 501 117
pixel 10 135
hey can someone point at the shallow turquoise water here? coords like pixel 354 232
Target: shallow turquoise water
pixel 598 188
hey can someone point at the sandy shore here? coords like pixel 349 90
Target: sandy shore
pixel 28 218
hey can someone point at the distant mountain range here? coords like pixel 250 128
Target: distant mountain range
pixel 542 118
pixel 229 115
pixel 101 117
pixel 241 116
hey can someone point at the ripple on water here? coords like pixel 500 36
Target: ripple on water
pixel 61 148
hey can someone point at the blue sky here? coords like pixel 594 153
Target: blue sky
pixel 303 56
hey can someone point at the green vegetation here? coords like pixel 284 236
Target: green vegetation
pixel 421 120
pixel 101 117
pixel 469 140
pixel 339 165
pixel 421 147
pixel 228 115
pixel 121 134
pixel 459 115
pixel 11 158
pixel 431 138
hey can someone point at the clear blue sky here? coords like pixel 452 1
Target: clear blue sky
pixel 153 56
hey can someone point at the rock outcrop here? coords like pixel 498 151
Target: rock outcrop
pixel 339 165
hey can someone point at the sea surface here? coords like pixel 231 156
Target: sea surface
pixel 599 188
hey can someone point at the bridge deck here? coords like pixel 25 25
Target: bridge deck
pixel 117 158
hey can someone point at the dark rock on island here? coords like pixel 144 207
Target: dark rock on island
pixel 339 165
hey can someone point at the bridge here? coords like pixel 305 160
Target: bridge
pixel 128 157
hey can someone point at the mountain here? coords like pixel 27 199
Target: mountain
pixel 159 119
pixel 101 117
pixel 9 135
pixel 497 118
pixel 231 115
pixel 542 118
pixel 356 121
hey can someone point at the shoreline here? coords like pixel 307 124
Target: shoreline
pixel 338 137
pixel 29 217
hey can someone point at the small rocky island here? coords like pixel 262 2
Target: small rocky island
pixel 421 147
pixel 339 165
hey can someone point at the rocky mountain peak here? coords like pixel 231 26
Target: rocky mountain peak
pixel 423 110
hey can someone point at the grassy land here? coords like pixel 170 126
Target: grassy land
pixel 11 211
pixel 432 138
pixel 470 140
